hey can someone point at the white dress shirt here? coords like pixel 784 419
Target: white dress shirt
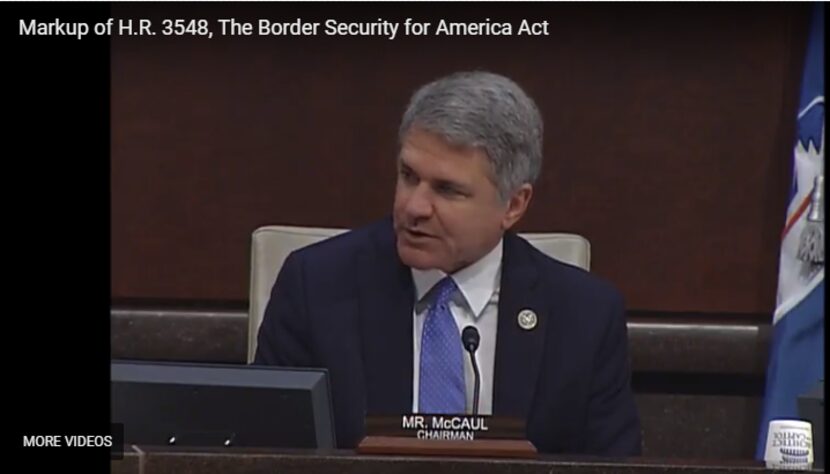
pixel 476 304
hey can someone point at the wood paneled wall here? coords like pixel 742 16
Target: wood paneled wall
pixel 668 131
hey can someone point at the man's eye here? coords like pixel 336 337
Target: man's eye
pixel 448 190
pixel 407 175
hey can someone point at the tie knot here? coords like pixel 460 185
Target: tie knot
pixel 444 289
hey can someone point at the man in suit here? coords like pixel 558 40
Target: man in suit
pixel 382 307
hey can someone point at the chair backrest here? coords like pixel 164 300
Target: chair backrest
pixel 272 244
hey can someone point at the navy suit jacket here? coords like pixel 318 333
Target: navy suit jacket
pixel 346 304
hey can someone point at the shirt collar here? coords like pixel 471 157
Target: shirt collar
pixel 477 282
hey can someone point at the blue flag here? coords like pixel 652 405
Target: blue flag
pixel 796 362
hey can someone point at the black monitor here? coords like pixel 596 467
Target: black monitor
pixel 188 404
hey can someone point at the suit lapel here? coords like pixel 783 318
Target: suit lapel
pixel 518 351
pixel 386 300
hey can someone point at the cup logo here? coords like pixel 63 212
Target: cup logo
pixel 793 446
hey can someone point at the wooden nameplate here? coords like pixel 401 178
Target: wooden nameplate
pixel 446 435
pixel 501 448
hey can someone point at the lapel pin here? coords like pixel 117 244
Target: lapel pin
pixel 527 319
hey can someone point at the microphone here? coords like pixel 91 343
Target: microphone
pixel 470 339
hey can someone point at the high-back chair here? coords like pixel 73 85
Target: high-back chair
pixel 272 244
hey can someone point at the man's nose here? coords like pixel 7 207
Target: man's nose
pixel 419 204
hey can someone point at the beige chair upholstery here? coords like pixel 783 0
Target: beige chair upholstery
pixel 271 245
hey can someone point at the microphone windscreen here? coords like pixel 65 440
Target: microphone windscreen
pixel 470 338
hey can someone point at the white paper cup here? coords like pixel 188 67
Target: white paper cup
pixel 789 445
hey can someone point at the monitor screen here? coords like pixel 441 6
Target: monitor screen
pixel 189 404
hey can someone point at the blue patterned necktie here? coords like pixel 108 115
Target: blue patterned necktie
pixel 441 388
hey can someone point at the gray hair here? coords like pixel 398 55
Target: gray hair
pixel 487 111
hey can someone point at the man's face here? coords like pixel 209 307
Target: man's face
pixel 447 210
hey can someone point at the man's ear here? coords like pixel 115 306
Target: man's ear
pixel 517 205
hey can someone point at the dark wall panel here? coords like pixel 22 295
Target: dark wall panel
pixel 668 131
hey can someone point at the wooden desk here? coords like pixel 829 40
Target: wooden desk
pixel 163 460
